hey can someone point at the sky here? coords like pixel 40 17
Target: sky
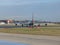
pixel 44 10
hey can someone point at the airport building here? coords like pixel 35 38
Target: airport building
pixel 6 21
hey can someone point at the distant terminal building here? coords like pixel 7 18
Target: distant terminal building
pixel 10 21
pixel 3 21
pixel 6 21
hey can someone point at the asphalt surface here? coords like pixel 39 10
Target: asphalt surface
pixel 10 26
pixel 3 26
pixel 31 39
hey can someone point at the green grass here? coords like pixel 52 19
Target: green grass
pixel 34 31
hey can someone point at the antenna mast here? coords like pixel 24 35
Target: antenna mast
pixel 32 20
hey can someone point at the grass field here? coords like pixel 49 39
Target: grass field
pixel 34 31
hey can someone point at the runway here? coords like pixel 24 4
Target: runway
pixel 12 26
pixel 31 39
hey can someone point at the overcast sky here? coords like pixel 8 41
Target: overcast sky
pixel 48 10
